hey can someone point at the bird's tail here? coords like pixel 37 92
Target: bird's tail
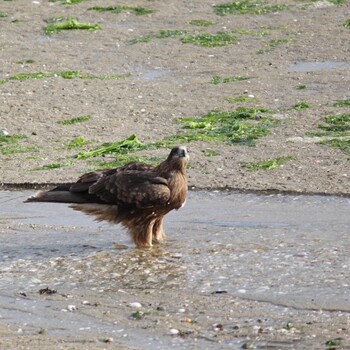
pixel 61 194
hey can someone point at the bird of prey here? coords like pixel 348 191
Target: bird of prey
pixel 137 195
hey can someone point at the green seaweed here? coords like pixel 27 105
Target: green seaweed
pixel 247 7
pixel 342 103
pixel 131 144
pixel 223 80
pixel 78 142
pixel 209 152
pixel 163 34
pixel 337 2
pixel 6 138
pixel 337 123
pixel 53 166
pixel 16 149
pixel 3 14
pixel 347 24
pixel 26 76
pixel 169 33
pixel 77 74
pixel 201 23
pixel 301 87
pixel 75 120
pixel 273 44
pixel 243 125
pixel 338 127
pixel 29 61
pixel 137 10
pixel 301 105
pixel 334 343
pixel 71 74
pixel 69 24
pixel 342 144
pixel 242 99
pixel 267 164
pixel 209 40
pixel 139 315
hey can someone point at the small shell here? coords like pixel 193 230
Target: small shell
pixel 135 305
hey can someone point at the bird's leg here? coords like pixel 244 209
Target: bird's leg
pixel 158 231
pixel 142 235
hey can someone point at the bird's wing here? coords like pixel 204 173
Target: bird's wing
pixel 88 179
pixel 133 188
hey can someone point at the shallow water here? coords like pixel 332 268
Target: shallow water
pixel 284 250
pixel 304 67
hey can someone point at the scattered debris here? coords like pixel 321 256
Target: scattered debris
pixel 47 291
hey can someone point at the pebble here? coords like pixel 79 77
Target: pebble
pixel 109 340
pixel 181 310
pixel 71 308
pixel 174 331
pixel 135 305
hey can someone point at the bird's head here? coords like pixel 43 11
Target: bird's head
pixel 179 157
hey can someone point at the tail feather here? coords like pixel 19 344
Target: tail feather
pixel 59 196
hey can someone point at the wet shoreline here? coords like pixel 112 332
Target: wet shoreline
pixel 237 260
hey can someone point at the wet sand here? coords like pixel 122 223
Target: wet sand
pixel 238 270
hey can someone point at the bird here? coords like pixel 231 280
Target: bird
pixel 136 195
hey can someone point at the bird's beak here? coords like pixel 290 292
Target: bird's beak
pixel 182 152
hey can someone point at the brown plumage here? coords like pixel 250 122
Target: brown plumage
pixel 137 195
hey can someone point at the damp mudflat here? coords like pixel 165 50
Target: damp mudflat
pixel 238 271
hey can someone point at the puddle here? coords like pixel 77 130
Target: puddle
pixel 149 74
pixel 305 67
pixel 283 250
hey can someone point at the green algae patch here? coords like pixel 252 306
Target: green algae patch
pixel 201 23
pixel 26 76
pixel 17 149
pixel 70 74
pixel 163 34
pixel 53 166
pixel 210 40
pixel 77 142
pixel 337 123
pixel 247 7
pixel 342 103
pixel 75 120
pixel 6 138
pixel 131 144
pixel 301 105
pixel 267 164
pixel 216 79
pixel 243 125
pixel 343 145
pixel 28 61
pixel 70 24
pixel 210 152
pixel 137 10
pixel 242 99
pixel 335 131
